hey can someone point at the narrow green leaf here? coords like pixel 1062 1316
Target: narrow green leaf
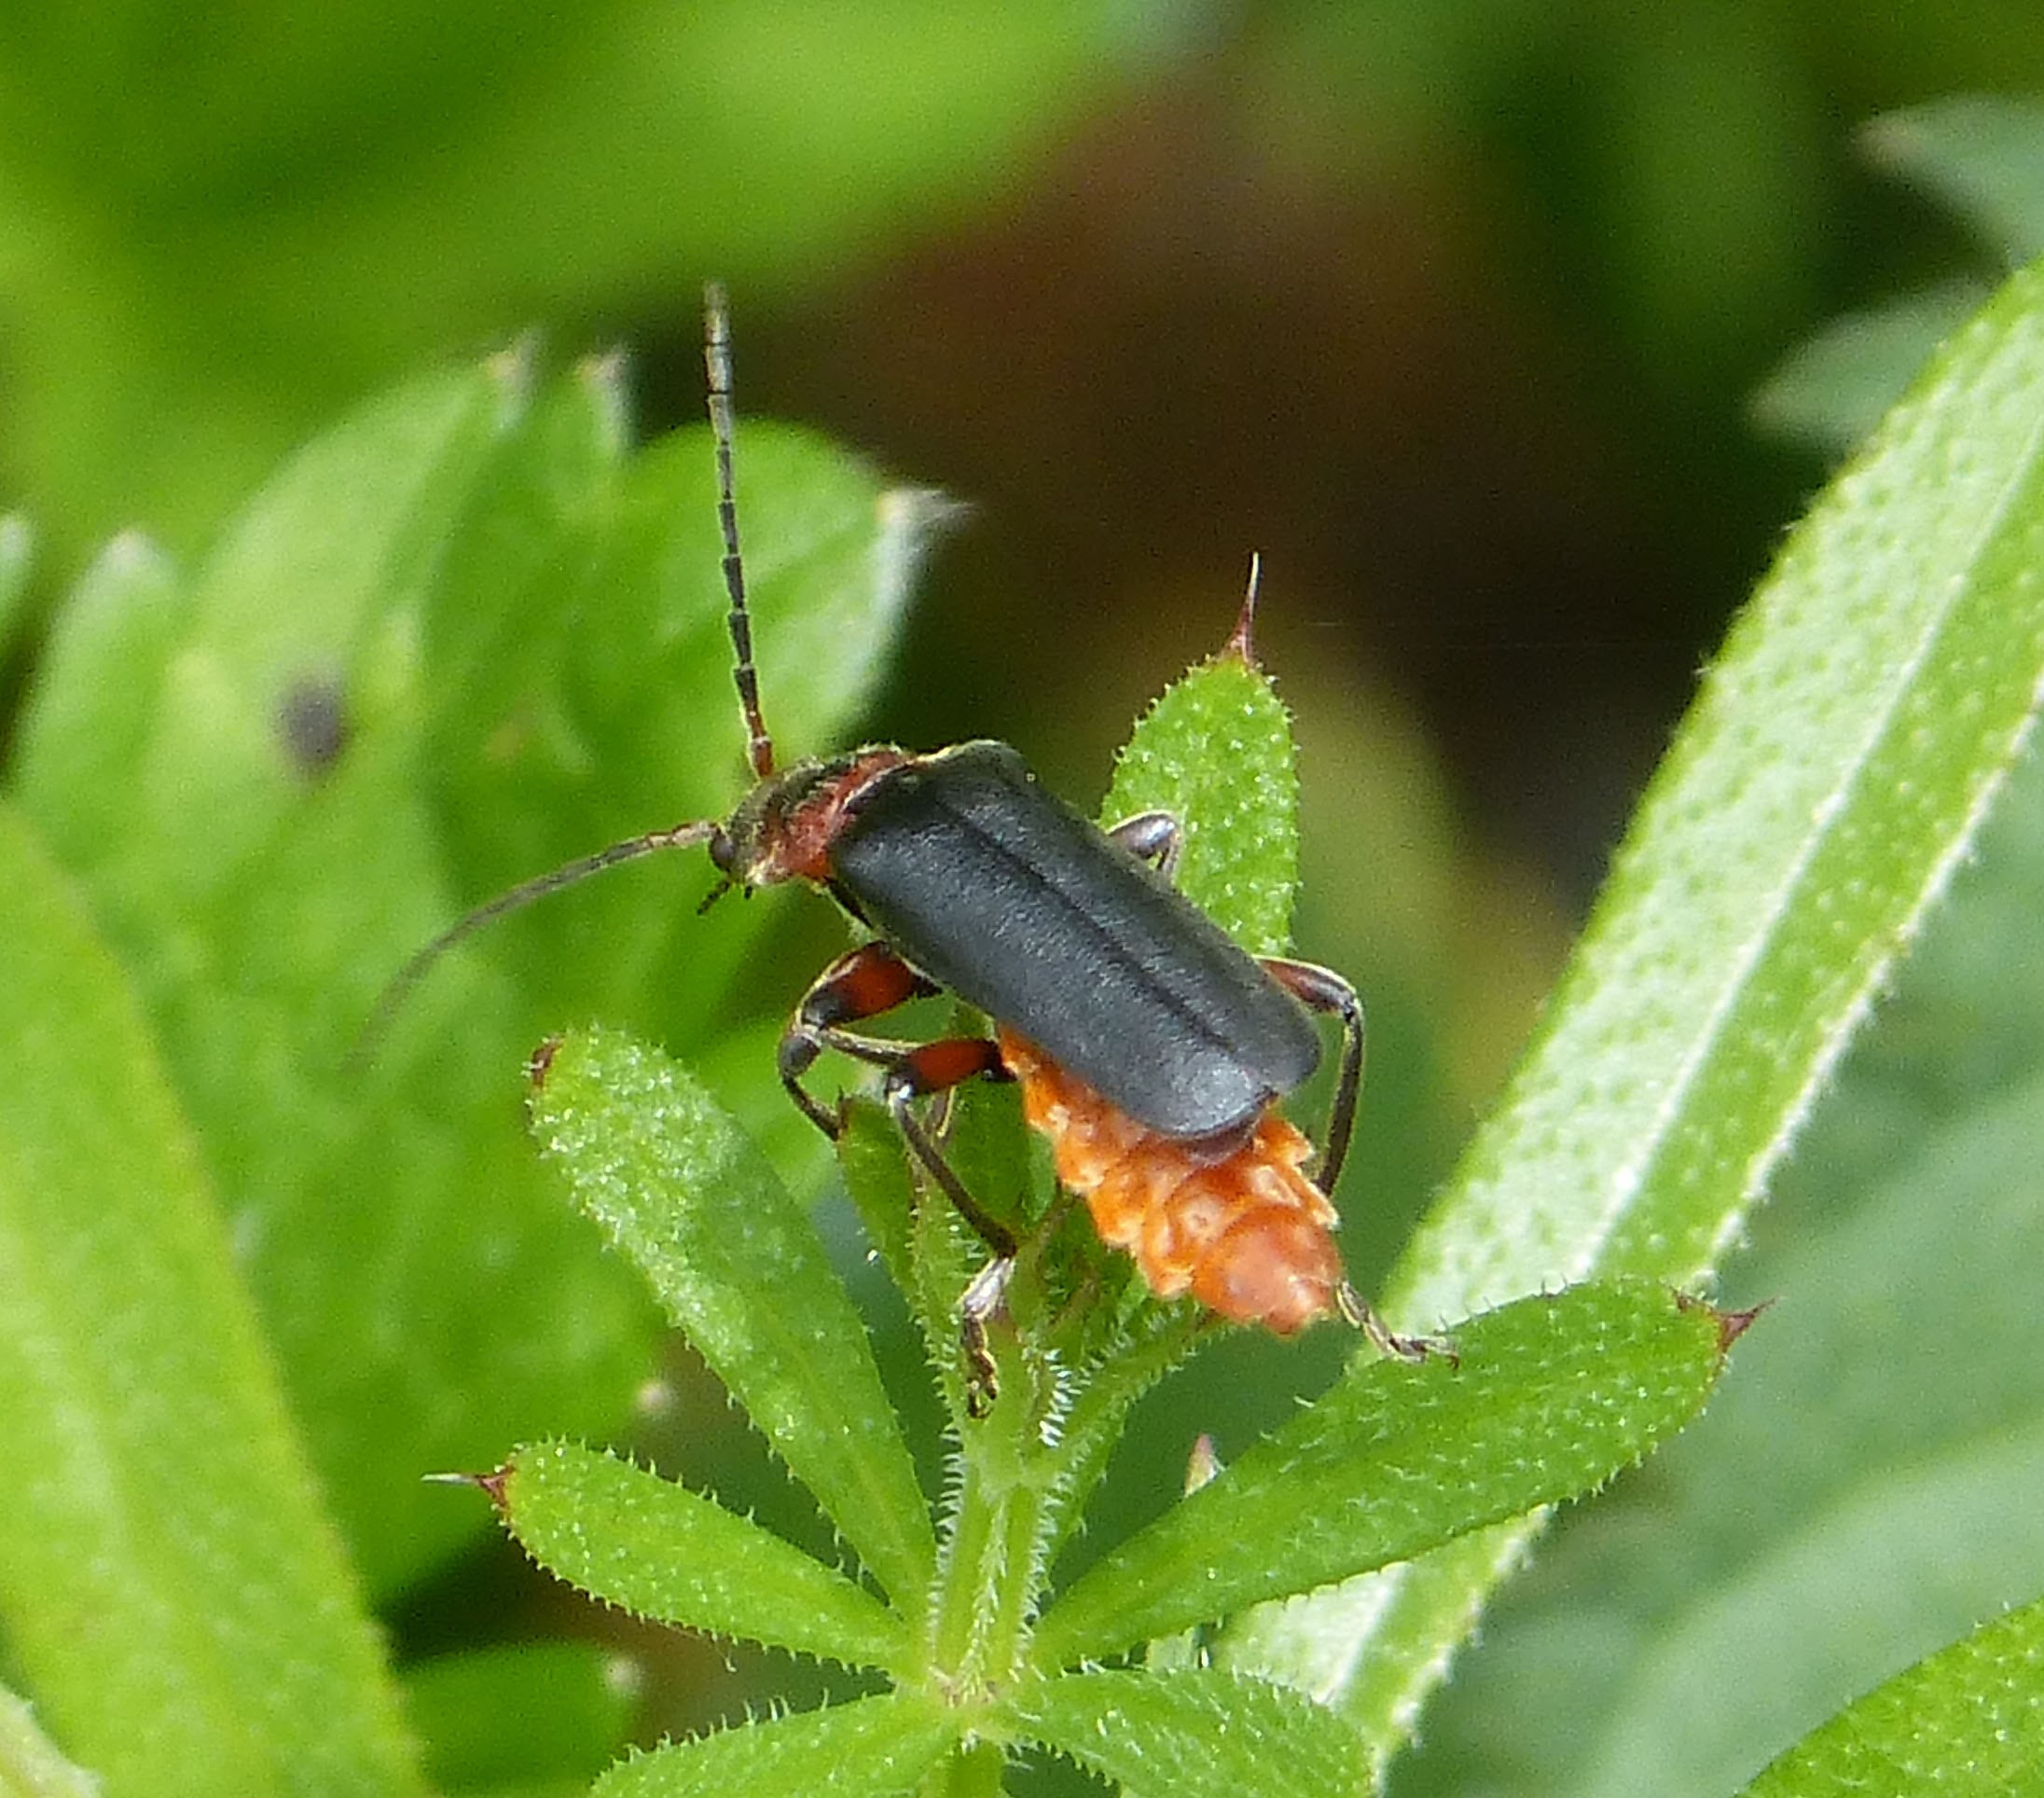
pixel 1551 1397
pixel 1834 767
pixel 1215 752
pixel 1834 387
pixel 1200 1734
pixel 872 1748
pixel 85 734
pixel 169 1584
pixel 627 1536
pixel 515 1714
pixel 875 1161
pixel 31 1765
pixel 1982 154
pixel 1968 1722
pixel 738 1266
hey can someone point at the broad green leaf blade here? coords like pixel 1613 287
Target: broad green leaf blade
pixel 736 1265
pixel 1835 766
pixel 627 1536
pixel 515 1714
pixel 1200 1734
pixel 1215 752
pixel 1982 154
pixel 1552 1398
pixel 872 1748
pixel 31 1765
pixel 169 1584
pixel 1968 1722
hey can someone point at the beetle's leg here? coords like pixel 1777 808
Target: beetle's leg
pixel 1415 1348
pixel 862 983
pixel 1152 837
pixel 914 1074
pixel 865 983
pixel 1322 989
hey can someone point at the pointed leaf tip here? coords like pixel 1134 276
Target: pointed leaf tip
pixel 491 1484
pixel 1241 643
pixel 541 1061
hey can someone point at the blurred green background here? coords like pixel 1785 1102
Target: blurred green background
pixel 1455 311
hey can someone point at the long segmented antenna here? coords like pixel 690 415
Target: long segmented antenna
pixel 391 1001
pixel 759 748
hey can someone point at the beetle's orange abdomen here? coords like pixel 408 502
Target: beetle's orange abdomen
pixel 1243 1230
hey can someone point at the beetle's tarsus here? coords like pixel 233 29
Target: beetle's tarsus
pixel 1385 1340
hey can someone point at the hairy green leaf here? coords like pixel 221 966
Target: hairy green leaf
pixel 1198 1734
pixel 627 1536
pixel 1968 1722
pixel 31 1765
pixel 1215 752
pixel 872 1748
pixel 1551 1397
pixel 736 1265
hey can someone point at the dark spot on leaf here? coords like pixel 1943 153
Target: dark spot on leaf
pixel 312 721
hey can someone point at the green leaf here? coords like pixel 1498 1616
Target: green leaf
pixel 1719 1628
pixel 170 1586
pixel 874 1160
pixel 17 555
pixel 627 1536
pixel 869 1748
pixel 1551 1397
pixel 517 1713
pixel 1837 763
pixel 31 1765
pixel 1832 389
pixel 1215 752
pixel 1982 154
pixel 1199 1734
pixel 736 1265
pixel 1968 1722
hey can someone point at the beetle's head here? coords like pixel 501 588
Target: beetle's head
pixel 784 829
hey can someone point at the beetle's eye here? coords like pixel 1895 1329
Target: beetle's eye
pixel 723 851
